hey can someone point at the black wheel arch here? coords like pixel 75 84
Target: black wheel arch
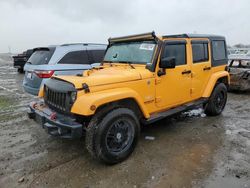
pixel 224 80
pixel 129 103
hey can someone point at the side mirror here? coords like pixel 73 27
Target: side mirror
pixel 167 63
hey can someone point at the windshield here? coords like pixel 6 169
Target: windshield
pixel 40 57
pixel 132 52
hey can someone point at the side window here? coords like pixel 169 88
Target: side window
pixel 219 50
pixel 97 55
pixel 178 51
pixel 76 57
pixel 200 51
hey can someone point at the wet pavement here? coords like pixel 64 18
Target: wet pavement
pixel 191 150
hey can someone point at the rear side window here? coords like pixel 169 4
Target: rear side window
pixel 219 50
pixel 40 57
pixel 200 51
pixel 178 51
pixel 96 56
pixel 76 57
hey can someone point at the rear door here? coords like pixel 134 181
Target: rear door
pixel 76 61
pixel 73 62
pixel 201 66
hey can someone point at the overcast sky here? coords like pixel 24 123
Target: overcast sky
pixel 31 23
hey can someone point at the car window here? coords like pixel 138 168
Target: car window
pixel 96 56
pixel 200 52
pixel 219 50
pixel 239 63
pixel 41 57
pixel 135 52
pixel 178 51
pixel 76 57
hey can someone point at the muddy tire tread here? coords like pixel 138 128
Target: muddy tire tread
pixel 93 133
pixel 210 109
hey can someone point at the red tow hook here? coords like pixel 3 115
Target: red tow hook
pixel 33 104
pixel 53 116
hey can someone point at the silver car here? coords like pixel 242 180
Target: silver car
pixel 67 59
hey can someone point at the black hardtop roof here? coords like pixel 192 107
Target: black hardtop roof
pixel 152 36
pixel 209 36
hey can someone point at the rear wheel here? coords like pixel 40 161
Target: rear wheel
pixel 217 100
pixel 112 137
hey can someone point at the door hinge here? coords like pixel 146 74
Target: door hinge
pixel 158 99
pixel 157 81
pixel 191 91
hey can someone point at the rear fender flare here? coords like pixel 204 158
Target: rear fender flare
pixel 212 82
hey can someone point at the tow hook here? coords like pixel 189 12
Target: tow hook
pixel 53 116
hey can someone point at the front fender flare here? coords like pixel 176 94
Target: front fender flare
pixel 83 103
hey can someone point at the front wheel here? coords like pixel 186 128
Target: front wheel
pixel 112 137
pixel 217 100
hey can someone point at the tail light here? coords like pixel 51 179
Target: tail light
pixel 44 73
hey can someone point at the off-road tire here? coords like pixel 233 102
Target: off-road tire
pixel 98 128
pixel 217 100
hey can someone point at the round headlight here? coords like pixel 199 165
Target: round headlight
pixel 73 96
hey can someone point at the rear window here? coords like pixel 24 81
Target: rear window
pixel 40 57
pixel 76 57
pixel 219 50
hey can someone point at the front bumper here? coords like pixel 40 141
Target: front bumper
pixel 56 124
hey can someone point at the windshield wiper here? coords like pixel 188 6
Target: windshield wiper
pixel 128 62
pixel 110 62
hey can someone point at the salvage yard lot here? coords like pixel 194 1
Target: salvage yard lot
pixel 188 150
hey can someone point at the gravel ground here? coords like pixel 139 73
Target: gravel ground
pixel 191 150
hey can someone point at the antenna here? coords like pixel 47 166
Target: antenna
pixel 9 49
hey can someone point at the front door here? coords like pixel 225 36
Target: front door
pixel 173 88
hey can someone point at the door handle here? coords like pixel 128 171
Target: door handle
pixel 186 72
pixel 206 68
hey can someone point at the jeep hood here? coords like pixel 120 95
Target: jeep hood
pixel 112 75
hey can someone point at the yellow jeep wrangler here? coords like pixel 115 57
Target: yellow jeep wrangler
pixel 143 78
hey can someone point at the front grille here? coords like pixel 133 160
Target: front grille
pixel 56 100
pixel 57 95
